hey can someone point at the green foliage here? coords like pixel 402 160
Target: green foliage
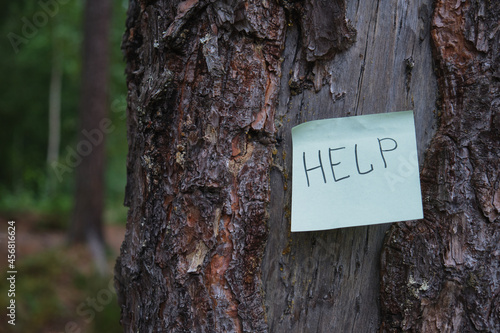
pixel 51 285
pixel 24 93
pixel 26 181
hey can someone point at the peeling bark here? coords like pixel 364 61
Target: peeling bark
pixel 203 79
pixel 442 274
pixel 214 88
pixel 328 281
pixel 324 29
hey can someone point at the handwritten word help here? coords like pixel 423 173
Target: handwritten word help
pixel 332 158
pixel 355 171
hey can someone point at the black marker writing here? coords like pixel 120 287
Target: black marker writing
pixel 334 160
pixel 335 164
pixel 383 150
pixel 319 166
pixel 357 163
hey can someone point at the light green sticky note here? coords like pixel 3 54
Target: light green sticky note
pixel 355 171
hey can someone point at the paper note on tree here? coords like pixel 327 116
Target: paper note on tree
pixel 355 171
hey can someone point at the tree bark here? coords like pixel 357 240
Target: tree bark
pixel 328 281
pixel 442 274
pixel 89 193
pixel 214 89
pixel 203 80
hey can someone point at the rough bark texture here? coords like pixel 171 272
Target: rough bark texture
pixel 89 192
pixel 214 88
pixel 442 274
pixel 203 79
pixel 329 281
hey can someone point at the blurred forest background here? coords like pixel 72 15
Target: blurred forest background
pixel 58 287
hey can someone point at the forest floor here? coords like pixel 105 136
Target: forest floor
pixel 57 287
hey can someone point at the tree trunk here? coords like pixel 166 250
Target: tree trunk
pixel 329 281
pixel 203 79
pixel 214 89
pixel 55 90
pixel 442 274
pixel 89 194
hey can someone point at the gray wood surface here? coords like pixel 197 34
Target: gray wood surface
pixel 441 274
pixel 329 281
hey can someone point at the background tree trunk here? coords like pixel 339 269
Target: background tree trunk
pixel 89 193
pixel 55 90
pixel 214 89
pixel 442 274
